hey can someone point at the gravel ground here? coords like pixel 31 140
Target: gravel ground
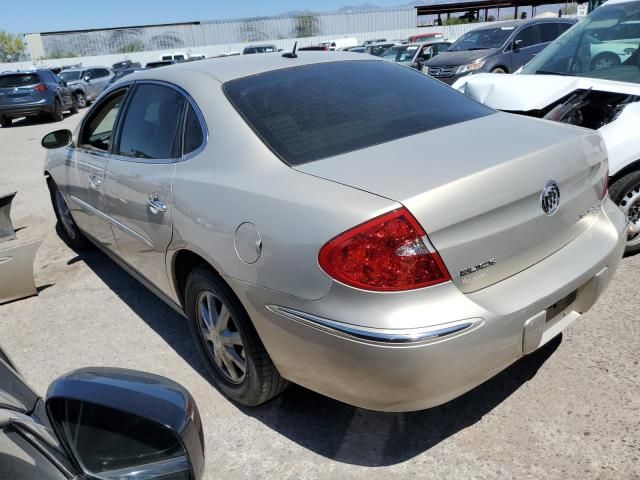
pixel 571 410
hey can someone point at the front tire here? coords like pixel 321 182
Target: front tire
pixel 605 60
pixel 625 192
pixel 228 342
pixel 5 122
pixel 71 234
pixel 498 70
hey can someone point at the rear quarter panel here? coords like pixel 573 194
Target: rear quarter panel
pixel 236 179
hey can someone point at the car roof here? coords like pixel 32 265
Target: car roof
pixel 517 23
pixel 225 69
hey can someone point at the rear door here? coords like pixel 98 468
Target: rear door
pixel 88 162
pixel 139 178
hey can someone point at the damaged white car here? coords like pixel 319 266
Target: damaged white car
pixel 590 77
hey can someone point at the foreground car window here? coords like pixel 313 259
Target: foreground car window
pixel 151 123
pixel 96 132
pixel 606 45
pixel 322 110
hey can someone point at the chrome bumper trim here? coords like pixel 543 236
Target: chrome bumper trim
pixel 385 337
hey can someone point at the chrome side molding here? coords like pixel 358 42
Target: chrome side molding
pixel 408 337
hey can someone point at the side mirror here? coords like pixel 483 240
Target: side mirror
pixel 87 78
pixel 117 423
pixel 516 45
pixel 57 139
pixel 419 63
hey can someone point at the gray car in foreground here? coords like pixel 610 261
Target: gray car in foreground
pixel 317 225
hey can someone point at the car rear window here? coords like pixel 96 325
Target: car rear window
pixel 304 114
pixel 22 80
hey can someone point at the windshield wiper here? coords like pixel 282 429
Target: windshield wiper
pixel 549 72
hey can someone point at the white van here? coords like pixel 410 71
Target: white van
pixel 341 43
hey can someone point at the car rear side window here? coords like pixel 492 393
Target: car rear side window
pixel 22 80
pixel 151 123
pixel 322 110
pixel 193 134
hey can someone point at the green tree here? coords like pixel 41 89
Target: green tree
pixel 11 47
pixel 135 46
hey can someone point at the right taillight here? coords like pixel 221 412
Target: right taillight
pixel 387 253
pixel 40 87
pixel 605 181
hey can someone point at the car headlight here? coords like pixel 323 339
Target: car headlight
pixel 470 67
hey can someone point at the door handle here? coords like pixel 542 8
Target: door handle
pixel 155 205
pixel 94 180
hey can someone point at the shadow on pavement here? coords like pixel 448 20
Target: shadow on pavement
pixel 327 427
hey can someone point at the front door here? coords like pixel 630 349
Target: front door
pixel 85 187
pixel 525 47
pixel 139 179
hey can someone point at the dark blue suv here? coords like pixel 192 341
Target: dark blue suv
pixel 499 47
pixel 34 93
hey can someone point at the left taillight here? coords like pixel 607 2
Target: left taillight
pixel 388 253
pixel 41 87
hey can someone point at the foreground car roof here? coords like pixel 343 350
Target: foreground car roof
pixel 230 68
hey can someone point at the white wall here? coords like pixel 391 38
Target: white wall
pixel 450 32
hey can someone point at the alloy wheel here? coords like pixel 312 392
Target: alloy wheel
pixel 630 205
pixel 221 337
pixel 65 216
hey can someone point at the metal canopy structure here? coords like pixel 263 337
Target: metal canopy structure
pixel 476 7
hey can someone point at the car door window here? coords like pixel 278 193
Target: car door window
pixel 548 32
pixel 97 129
pixel 528 36
pixel 193 134
pixel 151 123
pixel 101 72
pixel 563 27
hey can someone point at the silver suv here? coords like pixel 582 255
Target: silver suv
pixel 87 83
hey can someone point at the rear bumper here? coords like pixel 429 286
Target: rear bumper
pixel 414 350
pixel 26 109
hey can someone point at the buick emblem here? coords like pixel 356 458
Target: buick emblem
pixel 550 198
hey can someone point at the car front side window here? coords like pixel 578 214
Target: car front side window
pixel 151 126
pixel 527 37
pixel 97 130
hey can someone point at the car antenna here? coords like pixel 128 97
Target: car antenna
pixel 292 53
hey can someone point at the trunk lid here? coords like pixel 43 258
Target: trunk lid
pixel 476 187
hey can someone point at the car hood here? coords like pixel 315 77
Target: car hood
pixel 522 93
pixel 458 58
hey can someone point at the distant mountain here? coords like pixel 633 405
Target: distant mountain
pixel 358 8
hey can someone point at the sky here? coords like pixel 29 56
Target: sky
pixel 46 15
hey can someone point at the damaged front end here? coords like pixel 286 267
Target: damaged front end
pixel 586 108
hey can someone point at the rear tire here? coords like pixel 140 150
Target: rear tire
pixel 57 114
pixel 81 100
pixel 228 342
pixel 74 105
pixel 6 122
pixel 71 234
pixel 625 192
